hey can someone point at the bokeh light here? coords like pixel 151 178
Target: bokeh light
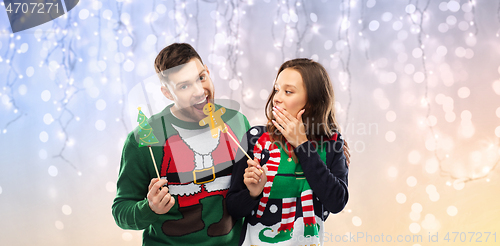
pixel 416 87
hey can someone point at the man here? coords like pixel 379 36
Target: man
pixel 187 205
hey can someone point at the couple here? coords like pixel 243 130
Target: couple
pixel 297 176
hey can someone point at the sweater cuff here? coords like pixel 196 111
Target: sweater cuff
pixel 304 149
pixel 145 211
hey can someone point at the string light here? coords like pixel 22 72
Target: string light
pixel 11 79
pixel 363 28
pixel 278 44
pixel 343 35
pixel 472 3
pixel 182 20
pixel 232 30
pixel 64 45
pixel 300 34
pixel 119 30
pixel 498 19
pixel 292 23
pixel 427 103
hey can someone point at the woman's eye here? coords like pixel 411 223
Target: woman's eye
pixel 288 92
pixel 184 87
pixel 202 78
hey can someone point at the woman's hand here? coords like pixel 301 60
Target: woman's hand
pixel 255 177
pixel 290 126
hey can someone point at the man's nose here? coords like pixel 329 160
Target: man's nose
pixel 198 89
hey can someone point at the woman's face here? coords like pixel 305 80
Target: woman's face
pixel 290 91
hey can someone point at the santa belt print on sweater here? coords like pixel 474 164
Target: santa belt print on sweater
pixel 202 176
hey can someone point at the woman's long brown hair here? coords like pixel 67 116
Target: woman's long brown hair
pixel 319 115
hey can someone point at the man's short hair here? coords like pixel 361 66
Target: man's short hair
pixel 172 57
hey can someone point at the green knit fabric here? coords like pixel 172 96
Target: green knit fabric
pixel 288 186
pixel 130 207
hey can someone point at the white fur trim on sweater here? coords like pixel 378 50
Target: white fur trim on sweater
pixel 221 183
pixel 182 190
pixel 199 140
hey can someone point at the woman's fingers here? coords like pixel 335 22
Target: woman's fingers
pixel 253 163
pixel 253 172
pixel 288 121
pixel 278 118
pixel 252 175
pixel 279 127
pixel 287 117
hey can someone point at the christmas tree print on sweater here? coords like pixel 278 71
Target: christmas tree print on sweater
pixel 285 181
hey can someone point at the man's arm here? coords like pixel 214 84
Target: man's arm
pixel 130 208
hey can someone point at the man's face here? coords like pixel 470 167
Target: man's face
pixel 191 89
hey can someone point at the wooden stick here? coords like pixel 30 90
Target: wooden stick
pixel 154 162
pixel 236 142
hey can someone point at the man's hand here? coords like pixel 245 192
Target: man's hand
pixel 347 153
pixel 160 201
pixel 255 177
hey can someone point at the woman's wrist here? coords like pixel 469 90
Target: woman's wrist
pixel 255 196
pixel 300 142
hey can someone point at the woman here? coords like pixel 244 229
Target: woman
pixel 298 156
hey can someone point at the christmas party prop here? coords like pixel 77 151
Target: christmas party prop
pixel 216 123
pixel 214 119
pixel 146 136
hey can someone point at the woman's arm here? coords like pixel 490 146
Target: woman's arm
pixel 328 182
pixel 238 199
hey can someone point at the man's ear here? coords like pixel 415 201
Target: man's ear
pixel 166 93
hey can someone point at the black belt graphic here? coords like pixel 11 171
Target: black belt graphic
pixel 203 175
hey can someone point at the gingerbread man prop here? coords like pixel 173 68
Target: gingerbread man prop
pixel 214 119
